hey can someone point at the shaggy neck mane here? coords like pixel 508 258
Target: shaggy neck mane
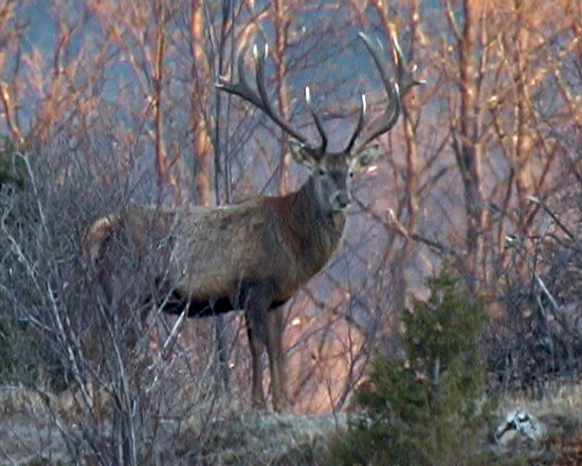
pixel 319 232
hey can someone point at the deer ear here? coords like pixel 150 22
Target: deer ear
pixel 302 155
pixel 365 158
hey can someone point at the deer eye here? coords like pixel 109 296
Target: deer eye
pixel 321 171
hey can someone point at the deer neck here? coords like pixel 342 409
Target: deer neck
pixel 319 231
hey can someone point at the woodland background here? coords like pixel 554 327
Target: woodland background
pixel 103 102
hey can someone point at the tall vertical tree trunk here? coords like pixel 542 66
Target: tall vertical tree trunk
pixel 410 113
pixel 201 146
pixel 203 162
pixel 161 157
pixel 523 141
pixel 468 149
pixel 281 24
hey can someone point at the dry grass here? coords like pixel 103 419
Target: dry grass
pixel 30 432
pixel 31 423
pixel 563 400
pixel 258 439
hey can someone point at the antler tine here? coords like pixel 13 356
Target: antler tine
pixel 405 81
pixel 260 100
pixel 317 120
pixel 359 125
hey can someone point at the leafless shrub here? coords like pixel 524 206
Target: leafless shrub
pixel 114 385
pixel 539 337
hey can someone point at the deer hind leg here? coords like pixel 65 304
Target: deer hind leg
pixel 274 335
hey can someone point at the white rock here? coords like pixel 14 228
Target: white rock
pixel 519 424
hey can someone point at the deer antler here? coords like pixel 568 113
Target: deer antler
pixel 260 99
pixel 317 121
pixel 405 80
pixel 359 125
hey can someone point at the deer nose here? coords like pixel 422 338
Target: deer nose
pixel 342 200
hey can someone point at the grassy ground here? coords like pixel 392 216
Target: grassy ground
pixel 31 426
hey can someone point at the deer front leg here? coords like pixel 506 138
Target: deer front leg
pixel 256 299
pixel 274 330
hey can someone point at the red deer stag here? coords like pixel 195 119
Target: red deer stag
pixel 257 254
